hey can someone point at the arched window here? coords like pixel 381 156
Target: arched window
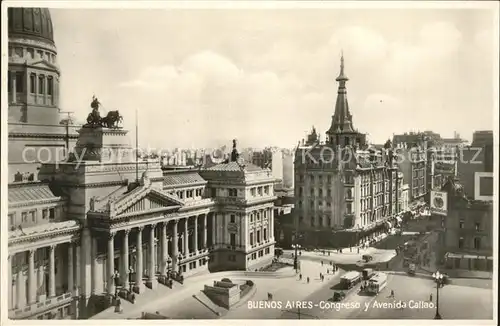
pixel 41 81
pixel 32 83
pixel 50 85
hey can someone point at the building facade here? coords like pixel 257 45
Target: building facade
pixel 36 129
pixel 344 192
pixel 468 231
pixel 101 222
pixel 412 162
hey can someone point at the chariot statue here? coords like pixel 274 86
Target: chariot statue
pixel 111 120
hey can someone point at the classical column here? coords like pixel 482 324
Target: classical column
pixel 151 276
pixel 41 278
pixel 271 223
pixel 71 270
pixel 186 237
pixel 9 282
pixel 125 263
pixel 195 235
pixel 175 245
pixel 111 263
pixel 14 86
pixel 138 260
pixel 164 249
pixel 31 277
pixel 78 281
pixel 19 279
pixel 214 229
pixel 94 265
pixel 205 217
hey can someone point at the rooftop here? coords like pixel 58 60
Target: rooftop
pixel 235 167
pixel 30 192
pixel 182 178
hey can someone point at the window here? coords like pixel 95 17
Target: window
pixel 252 191
pixel 461 224
pixel 258 216
pixel 11 219
pixel 329 193
pixel 328 205
pixel 461 242
pixel 233 218
pixel 213 192
pixel 329 179
pixel 265 234
pixel 251 217
pixel 50 85
pixel 258 236
pixel 45 213
pixel 477 243
pixel 266 190
pixel 320 192
pixel 301 177
pixel 301 219
pixel 312 221
pixel 52 213
pixel 41 81
pixel 312 203
pixel 251 238
pixel 320 203
pixel 20 82
pixel 33 216
pixel 320 178
pixel 478 227
pixel 259 191
pixel 233 192
pixel 24 216
pixel 312 192
pixel 233 239
pixel 301 191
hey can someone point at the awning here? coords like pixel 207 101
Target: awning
pixel 460 256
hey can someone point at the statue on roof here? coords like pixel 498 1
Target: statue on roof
pixel 234 154
pixel 111 120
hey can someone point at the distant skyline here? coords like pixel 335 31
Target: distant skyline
pixel 200 78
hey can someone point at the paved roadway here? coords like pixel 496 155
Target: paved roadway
pixel 456 302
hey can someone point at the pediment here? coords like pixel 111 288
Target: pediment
pixel 43 64
pixel 149 200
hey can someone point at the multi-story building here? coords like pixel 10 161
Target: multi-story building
pixel 412 162
pixel 36 129
pixel 288 169
pixel 271 158
pixel 405 198
pixel 79 221
pixel 344 192
pixel 468 231
pixel 454 142
pixel 475 165
pixel 441 165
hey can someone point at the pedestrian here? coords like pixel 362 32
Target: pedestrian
pixel 320 275
pixel 329 253
pixel 300 277
pixel 392 294
pixel 321 263
pixel 327 271
pixel 308 280
pixel 430 298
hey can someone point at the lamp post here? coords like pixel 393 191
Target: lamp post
pixel 296 256
pixel 438 277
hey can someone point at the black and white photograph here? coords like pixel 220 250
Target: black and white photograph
pixel 260 160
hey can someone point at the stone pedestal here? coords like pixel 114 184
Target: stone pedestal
pixel 103 145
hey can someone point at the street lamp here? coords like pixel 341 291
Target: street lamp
pixel 438 277
pixel 295 257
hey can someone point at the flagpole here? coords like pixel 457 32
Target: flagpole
pixel 136 146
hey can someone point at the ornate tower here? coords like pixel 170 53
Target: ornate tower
pixel 35 133
pixel 342 132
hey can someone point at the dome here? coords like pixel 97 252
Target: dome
pixel 33 23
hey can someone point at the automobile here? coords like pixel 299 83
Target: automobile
pixel 338 296
pixel 366 258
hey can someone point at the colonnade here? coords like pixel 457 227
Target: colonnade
pixel 174 246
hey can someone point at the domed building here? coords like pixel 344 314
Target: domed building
pixel 84 230
pixel 36 134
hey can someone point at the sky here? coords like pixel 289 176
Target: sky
pixel 200 77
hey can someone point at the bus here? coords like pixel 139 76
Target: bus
pixel 377 283
pixel 350 279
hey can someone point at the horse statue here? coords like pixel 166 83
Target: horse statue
pixel 112 120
